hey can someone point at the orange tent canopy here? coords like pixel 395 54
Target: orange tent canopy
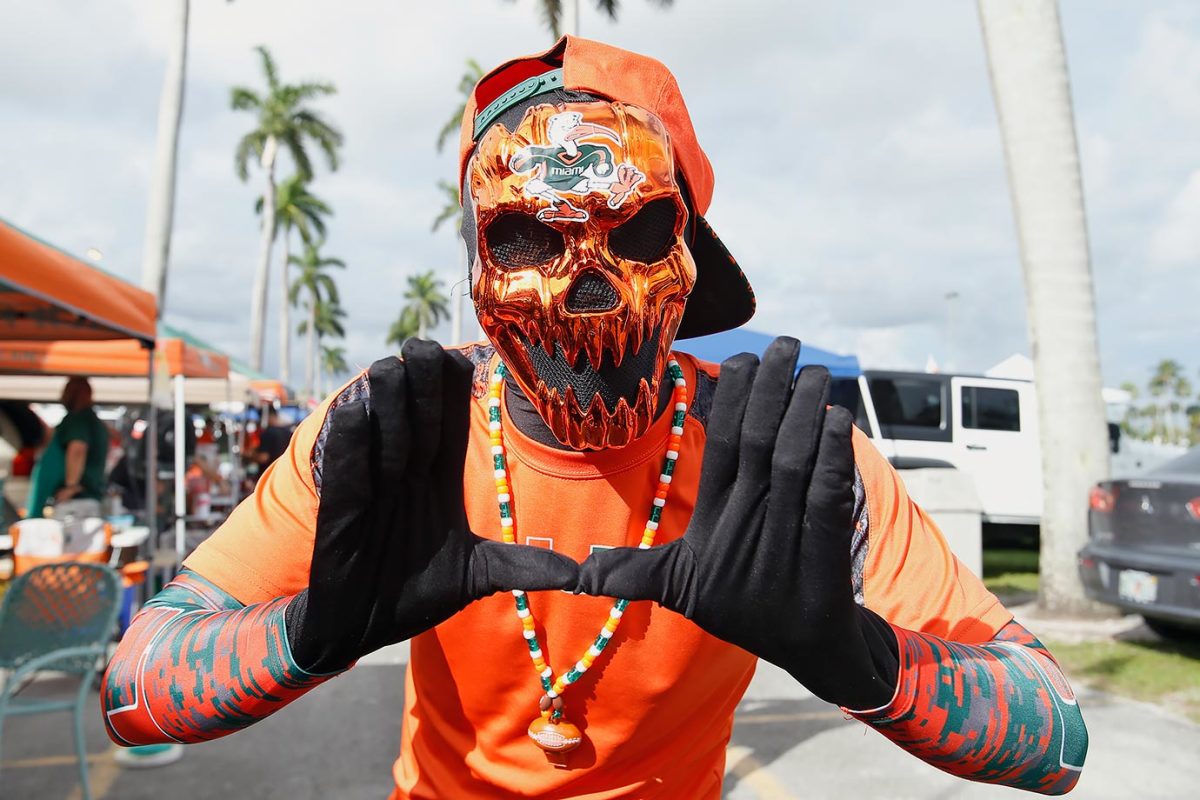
pixel 122 358
pixel 47 295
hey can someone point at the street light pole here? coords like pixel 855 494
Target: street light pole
pixel 950 364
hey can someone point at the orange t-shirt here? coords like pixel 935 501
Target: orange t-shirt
pixel 657 707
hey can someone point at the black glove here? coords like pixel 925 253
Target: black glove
pixel 393 555
pixel 765 561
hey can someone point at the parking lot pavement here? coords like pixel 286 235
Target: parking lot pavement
pixel 340 741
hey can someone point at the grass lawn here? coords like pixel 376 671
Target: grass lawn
pixel 1011 573
pixel 1166 673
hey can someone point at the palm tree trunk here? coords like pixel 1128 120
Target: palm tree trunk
pixel 570 17
pixel 285 323
pixel 1028 69
pixel 421 324
pixel 156 248
pixel 311 356
pixel 258 296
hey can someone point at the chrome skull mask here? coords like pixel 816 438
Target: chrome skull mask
pixel 581 273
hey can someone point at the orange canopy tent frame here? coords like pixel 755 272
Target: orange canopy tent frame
pixel 122 358
pixel 47 295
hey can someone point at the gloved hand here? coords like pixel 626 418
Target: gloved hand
pixel 393 555
pixel 765 561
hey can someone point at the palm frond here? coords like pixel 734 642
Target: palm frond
pixel 450 208
pixel 327 137
pixel 243 99
pixel 450 126
pixel 295 147
pixel 608 7
pixel 311 90
pixel 250 145
pixel 268 65
pixel 552 16
pixel 328 288
pixel 466 84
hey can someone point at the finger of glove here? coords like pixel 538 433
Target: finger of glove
pixel 423 361
pixel 345 490
pixel 765 409
pixel 796 448
pixel 724 429
pixel 828 516
pixel 391 434
pixel 499 567
pixel 662 574
pixel 457 376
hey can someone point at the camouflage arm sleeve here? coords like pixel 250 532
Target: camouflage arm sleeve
pixel 1001 712
pixel 196 664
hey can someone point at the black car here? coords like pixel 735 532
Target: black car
pixel 1143 552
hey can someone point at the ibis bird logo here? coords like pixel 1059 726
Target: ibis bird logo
pixel 574 163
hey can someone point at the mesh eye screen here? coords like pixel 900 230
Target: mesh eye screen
pixel 648 236
pixel 519 240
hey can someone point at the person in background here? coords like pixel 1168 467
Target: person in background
pixel 71 468
pixel 274 439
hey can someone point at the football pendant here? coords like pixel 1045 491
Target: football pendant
pixel 555 736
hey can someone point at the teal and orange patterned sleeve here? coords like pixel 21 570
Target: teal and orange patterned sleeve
pixel 196 665
pixel 999 712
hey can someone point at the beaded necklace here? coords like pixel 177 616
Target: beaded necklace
pixel 550 730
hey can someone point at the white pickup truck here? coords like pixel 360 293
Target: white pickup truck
pixel 985 427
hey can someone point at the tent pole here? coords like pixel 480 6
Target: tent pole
pixel 180 494
pixel 151 455
pixel 235 473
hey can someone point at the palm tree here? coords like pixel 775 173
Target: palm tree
pixel 328 323
pixel 403 329
pixel 321 302
pixel 1164 382
pixel 1180 406
pixel 560 17
pixel 156 247
pixel 426 304
pixel 1028 67
pixel 451 208
pixel 283 121
pixel 333 363
pixel 295 207
pixel 452 211
pixel 466 83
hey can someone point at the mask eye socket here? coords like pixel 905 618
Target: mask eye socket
pixel 648 236
pixel 519 240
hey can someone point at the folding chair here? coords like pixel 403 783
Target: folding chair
pixel 57 617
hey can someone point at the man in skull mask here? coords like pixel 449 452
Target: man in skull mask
pixel 576 450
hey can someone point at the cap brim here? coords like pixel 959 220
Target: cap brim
pixel 722 298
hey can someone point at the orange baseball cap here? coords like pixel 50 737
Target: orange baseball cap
pixel 722 297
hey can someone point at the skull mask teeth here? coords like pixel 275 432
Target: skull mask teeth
pixel 581 273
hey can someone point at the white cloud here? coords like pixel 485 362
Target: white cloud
pixel 1176 240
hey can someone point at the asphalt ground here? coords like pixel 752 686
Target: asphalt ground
pixel 340 741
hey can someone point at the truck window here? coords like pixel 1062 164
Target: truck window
pixel 844 392
pixel 911 407
pixel 988 409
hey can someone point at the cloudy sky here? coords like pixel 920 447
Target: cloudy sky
pixel 860 176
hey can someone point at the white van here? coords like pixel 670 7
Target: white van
pixel 986 427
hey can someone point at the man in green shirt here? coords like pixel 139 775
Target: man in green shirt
pixel 72 465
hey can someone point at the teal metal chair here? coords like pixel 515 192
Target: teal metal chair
pixel 57 617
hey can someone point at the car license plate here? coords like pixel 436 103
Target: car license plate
pixel 1137 586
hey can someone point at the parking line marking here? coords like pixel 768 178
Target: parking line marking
pixel 751 772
